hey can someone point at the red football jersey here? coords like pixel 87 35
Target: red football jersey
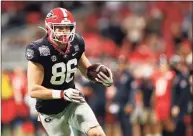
pixel 163 88
pixel 163 85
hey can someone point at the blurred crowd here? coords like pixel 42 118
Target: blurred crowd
pixel 147 45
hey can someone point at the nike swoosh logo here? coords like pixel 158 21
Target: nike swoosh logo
pixel 74 54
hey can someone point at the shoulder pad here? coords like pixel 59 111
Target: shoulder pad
pixel 39 41
pixel 80 41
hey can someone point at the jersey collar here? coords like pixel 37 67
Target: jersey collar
pixel 58 49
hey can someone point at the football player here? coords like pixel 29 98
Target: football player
pixel 52 63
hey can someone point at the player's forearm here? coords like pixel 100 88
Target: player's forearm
pixel 83 65
pixel 84 73
pixel 40 92
pixel 83 70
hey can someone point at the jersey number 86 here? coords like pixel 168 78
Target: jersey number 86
pixel 65 74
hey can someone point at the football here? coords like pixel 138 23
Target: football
pixel 94 69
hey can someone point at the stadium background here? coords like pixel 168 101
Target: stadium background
pixel 121 35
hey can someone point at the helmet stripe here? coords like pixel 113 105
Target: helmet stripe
pixel 64 12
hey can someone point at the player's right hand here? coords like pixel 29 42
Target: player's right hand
pixel 73 95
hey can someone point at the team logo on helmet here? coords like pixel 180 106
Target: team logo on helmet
pixel 50 14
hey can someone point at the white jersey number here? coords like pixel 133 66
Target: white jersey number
pixel 62 72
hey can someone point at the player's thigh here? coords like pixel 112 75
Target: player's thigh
pixel 96 131
pixel 55 125
pixel 82 117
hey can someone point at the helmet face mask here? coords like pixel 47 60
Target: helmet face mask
pixel 63 36
pixel 60 25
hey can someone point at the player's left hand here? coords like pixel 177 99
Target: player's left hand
pixel 105 80
pixel 73 95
